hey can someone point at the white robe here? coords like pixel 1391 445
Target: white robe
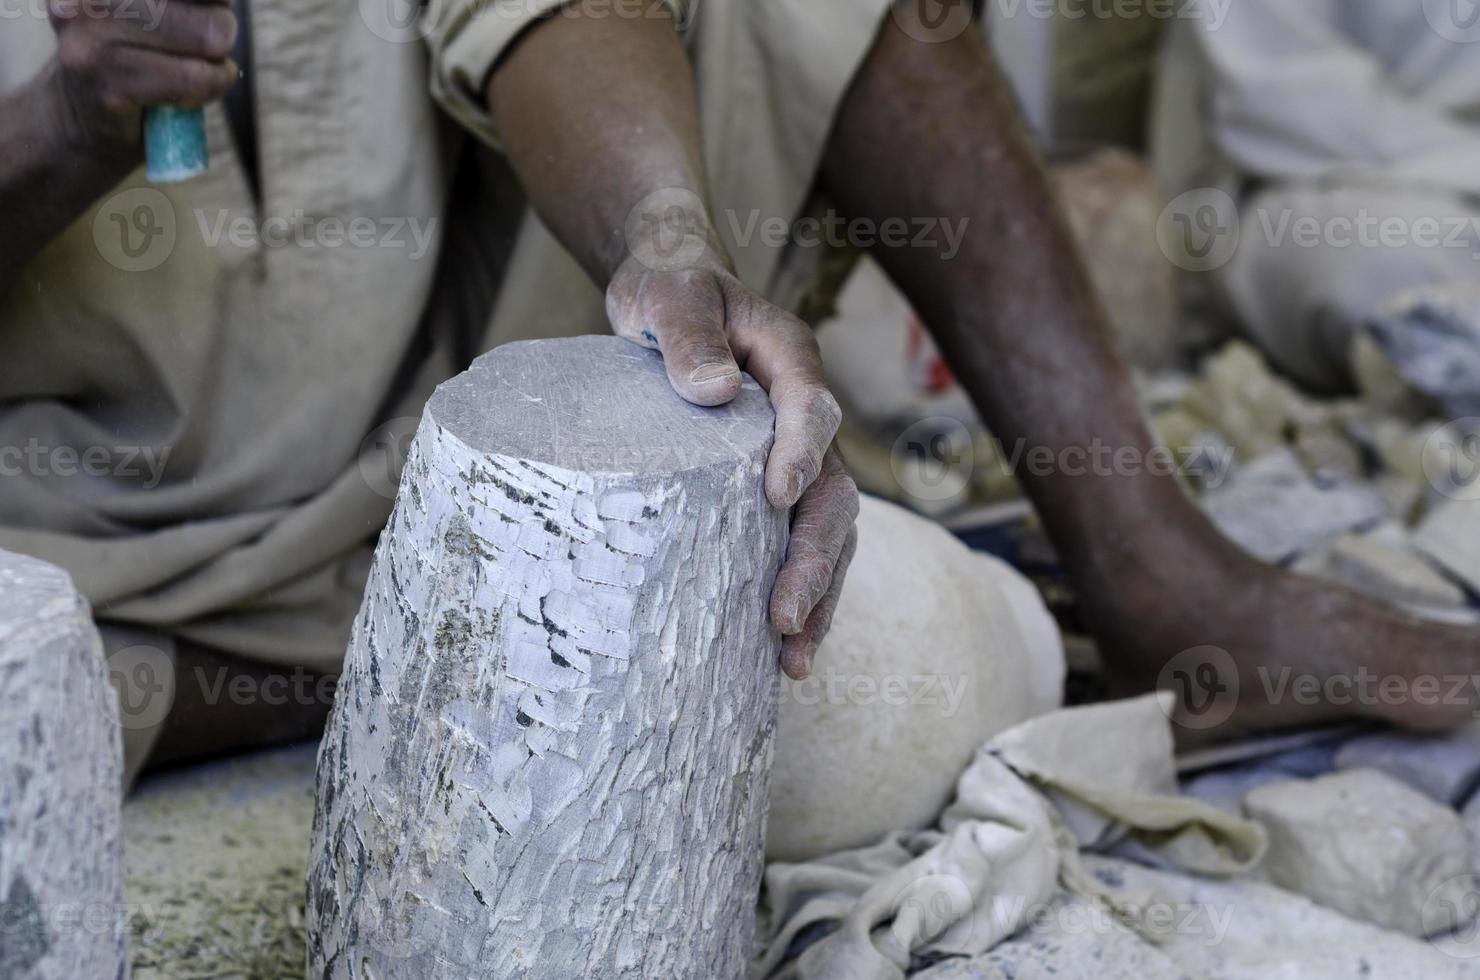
pixel 1346 133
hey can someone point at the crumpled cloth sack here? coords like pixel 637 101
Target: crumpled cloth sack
pixel 1086 777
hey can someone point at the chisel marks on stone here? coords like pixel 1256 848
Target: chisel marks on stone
pixel 550 749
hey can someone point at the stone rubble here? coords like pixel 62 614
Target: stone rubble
pixel 1432 336
pixel 1384 564
pixel 1450 535
pixel 1275 510
pixel 1366 845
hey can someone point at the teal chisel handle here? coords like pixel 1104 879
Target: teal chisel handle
pixel 174 144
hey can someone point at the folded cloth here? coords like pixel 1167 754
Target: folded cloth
pixel 1086 777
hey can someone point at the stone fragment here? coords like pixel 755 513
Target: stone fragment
pixel 61 784
pixel 1275 510
pixel 1070 938
pixel 1249 404
pixel 1432 336
pixel 1364 844
pixel 1366 564
pixel 551 743
pixel 1247 930
pixel 1450 535
pixel 1445 768
pixel 1226 788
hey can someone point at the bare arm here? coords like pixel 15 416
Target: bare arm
pixel 609 154
pixel 74 131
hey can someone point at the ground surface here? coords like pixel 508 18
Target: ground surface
pixel 215 857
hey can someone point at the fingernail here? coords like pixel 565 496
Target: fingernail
pixel 223 29
pixel 794 486
pixel 799 616
pixel 712 372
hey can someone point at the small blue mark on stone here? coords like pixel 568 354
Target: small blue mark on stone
pixel 650 337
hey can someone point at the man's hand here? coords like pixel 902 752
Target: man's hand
pixel 708 326
pixel 74 130
pixel 609 156
pixel 114 60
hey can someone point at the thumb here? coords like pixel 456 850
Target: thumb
pixel 682 315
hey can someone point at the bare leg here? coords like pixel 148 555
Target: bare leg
pixel 929 129
pixel 215 704
pixel 225 704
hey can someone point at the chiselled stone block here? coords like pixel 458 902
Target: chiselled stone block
pixel 61 784
pixel 1367 845
pixel 549 752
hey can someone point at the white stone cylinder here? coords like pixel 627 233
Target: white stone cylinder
pixel 61 784
pixel 549 752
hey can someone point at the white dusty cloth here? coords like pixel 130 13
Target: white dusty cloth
pixel 1346 113
pixel 1083 777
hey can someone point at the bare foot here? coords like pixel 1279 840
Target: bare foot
pixel 1247 647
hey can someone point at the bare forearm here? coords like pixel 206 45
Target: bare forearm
pixel 931 130
pixel 591 144
pixel 610 156
pixel 47 175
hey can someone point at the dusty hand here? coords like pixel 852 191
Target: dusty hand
pixel 117 57
pixel 708 325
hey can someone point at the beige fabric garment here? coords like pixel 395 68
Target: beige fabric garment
pixel 1035 794
pixel 1345 113
pixel 239 398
